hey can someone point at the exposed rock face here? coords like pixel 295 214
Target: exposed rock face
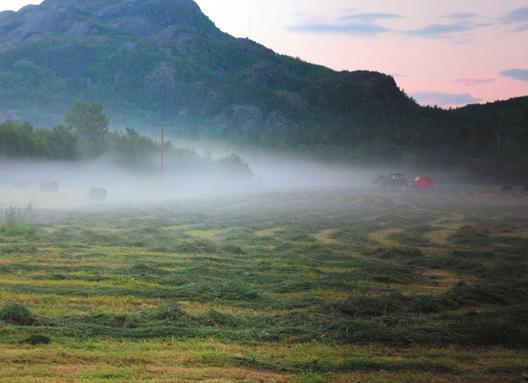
pixel 163 76
pixel 177 36
pixel 34 22
pixel 267 74
pixel 132 17
pixel 247 116
pixel 82 29
pixel 277 122
pixel 6 20
pixel 24 64
pixel 162 13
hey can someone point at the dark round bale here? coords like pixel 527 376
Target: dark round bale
pixel 36 340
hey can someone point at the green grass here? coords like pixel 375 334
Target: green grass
pixel 323 287
pixel 14 228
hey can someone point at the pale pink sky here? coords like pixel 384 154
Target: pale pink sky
pixel 441 51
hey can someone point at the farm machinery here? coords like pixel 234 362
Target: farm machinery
pixel 394 181
pixel 398 181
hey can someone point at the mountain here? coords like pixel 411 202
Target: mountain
pixel 164 60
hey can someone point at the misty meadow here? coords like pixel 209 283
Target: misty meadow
pixel 180 203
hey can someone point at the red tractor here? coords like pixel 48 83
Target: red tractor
pixel 423 183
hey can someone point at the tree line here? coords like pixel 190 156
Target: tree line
pixel 85 135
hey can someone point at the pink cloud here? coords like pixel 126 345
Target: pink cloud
pixel 475 81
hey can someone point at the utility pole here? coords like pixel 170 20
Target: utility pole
pixel 162 127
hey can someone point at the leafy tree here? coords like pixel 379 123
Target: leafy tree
pixel 90 124
pixel 131 149
pixel 17 140
pixel 57 143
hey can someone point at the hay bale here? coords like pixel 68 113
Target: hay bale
pixel 49 186
pixel 98 194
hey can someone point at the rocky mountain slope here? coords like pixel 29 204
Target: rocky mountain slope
pixel 164 59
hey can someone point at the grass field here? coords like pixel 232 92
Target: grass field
pixel 282 287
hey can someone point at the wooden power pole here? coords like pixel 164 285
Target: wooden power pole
pixel 162 127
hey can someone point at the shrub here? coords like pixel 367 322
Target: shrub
pixel 14 228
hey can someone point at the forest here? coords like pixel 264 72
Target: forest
pixel 484 141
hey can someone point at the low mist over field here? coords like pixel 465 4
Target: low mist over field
pixel 22 181
pixel 26 183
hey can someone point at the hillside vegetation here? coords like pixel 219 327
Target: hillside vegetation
pixel 165 60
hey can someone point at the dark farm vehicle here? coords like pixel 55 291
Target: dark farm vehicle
pixel 394 181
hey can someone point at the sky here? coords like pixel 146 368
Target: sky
pixel 441 52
